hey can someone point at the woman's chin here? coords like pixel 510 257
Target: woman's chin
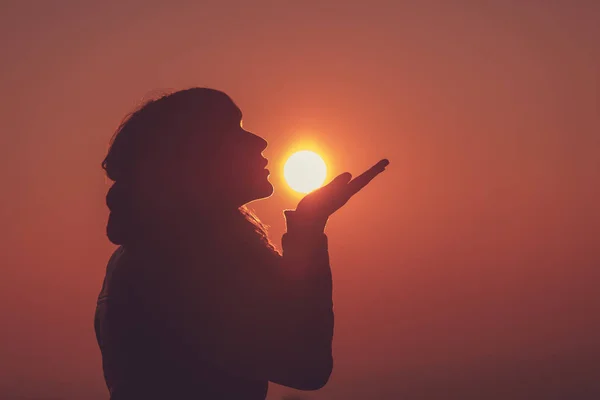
pixel 259 191
pixel 266 189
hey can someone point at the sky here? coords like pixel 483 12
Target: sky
pixel 469 269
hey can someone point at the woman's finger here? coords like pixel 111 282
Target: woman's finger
pixel 363 179
pixel 339 181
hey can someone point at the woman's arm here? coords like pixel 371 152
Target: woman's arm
pixel 277 324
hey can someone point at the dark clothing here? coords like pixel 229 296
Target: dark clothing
pixel 209 323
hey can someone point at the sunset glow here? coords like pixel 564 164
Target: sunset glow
pixel 305 171
pixel 467 270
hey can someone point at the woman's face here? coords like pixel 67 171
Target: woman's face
pixel 235 172
pixel 242 166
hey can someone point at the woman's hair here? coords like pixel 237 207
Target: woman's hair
pixel 145 142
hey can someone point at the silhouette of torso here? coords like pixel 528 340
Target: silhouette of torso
pixel 165 321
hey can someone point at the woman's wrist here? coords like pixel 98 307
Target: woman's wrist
pixel 299 222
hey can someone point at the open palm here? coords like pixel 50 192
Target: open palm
pixel 321 203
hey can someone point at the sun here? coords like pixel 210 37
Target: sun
pixel 305 171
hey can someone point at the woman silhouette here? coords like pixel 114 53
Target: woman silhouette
pixel 196 303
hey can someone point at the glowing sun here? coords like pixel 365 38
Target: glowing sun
pixel 305 171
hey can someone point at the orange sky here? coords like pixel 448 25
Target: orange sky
pixel 472 262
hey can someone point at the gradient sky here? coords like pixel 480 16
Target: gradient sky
pixel 469 269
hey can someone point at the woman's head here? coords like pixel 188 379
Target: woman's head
pixel 186 151
pixel 191 142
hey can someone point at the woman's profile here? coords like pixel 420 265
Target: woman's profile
pixel 196 302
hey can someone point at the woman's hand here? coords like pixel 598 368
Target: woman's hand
pixel 316 207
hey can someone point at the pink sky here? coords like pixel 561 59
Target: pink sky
pixel 470 266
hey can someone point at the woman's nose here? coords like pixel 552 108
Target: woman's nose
pixel 260 142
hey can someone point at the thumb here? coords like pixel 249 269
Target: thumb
pixel 340 180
